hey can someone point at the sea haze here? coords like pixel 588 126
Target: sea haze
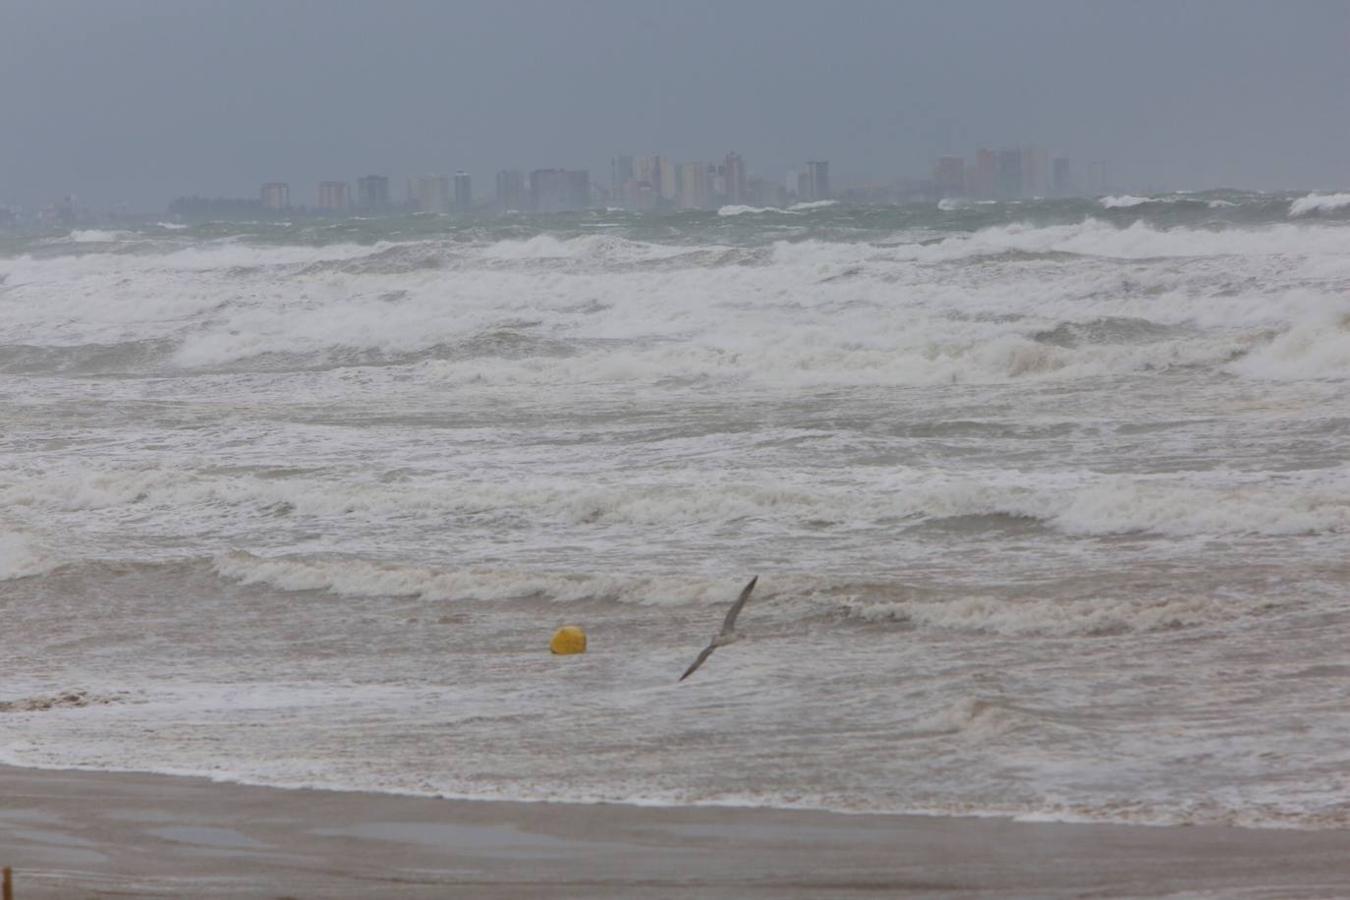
pixel 1049 501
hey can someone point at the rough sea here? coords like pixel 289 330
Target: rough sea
pixel 1049 504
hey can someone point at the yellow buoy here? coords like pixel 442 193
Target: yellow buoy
pixel 568 639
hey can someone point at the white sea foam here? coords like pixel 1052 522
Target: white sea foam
pixel 95 236
pixel 692 506
pixel 741 210
pixel 365 578
pixel 1140 240
pixel 244 302
pixel 1093 616
pixel 1315 203
pixel 20 557
pixel 1041 483
pixel 1123 201
pixel 1317 346
pixel 812 204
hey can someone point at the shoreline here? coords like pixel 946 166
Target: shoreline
pixel 80 833
pixel 1026 818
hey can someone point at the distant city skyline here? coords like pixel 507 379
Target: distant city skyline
pixel 653 182
pixel 134 102
pixel 656 182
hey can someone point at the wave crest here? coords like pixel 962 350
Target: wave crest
pixel 20 557
pixel 1318 203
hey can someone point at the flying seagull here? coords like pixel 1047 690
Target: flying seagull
pixel 728 633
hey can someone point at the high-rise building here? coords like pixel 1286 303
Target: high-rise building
pixel 693 186
pixel 276 195
pixel 332 196
pixel 985 177
pixel 648 169
pixel 463 191
pixel 949 176
pixel 1009 183
pixel 579 189
pixel 814 183
pixel 429 193
pixel 372 193
pixel 1035 166
pixel 734 187
pixel 559 190
pixel 621 171
pixel 660 173
pixel 640 196
pixel 511 193
pixel 1061 180
pixel 668 183
pixel 763 192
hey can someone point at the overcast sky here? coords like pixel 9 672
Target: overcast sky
pixel 135 101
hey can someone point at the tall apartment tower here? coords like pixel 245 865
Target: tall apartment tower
pixel 332 195
pixel 1035 180
pixel 275 195
pixel 1009 183
pixel 372 193
pixel 511 192
pixel 463 191
pixel 949 176
pixel 429 193
pixel 736 185
pixel 549 190
pixel 621 171
pixel 817 176
pixel 693 186
pixel 984 179
pixel 1061 179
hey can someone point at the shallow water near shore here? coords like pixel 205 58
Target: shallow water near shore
pixel 1049 503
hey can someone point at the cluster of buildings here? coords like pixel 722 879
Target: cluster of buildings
pixel 1007 174
pixel 641 183
pixel 61 214
pixel 425 193
pixel 656 182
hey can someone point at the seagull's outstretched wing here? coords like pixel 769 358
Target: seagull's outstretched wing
pixel 728 627
pixel 707 652
pixel 729 623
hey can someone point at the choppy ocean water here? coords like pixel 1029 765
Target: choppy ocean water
pixel 1049 501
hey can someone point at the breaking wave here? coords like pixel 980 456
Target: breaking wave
pixel 367 578
pixel 1124 201
pixel 373 464
pixel 1057 617
pixel 1316 203
pixel 741 210
pixel 789 313
pixel 20 557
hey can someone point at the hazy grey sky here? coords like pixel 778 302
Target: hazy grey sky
pixel 135 101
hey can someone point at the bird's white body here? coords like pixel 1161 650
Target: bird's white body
pixel 727 635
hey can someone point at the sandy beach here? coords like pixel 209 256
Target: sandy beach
pixel 76 834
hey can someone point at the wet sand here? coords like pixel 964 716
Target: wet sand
pixel 87 834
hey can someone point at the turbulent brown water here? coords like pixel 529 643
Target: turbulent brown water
pixel 1050 505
